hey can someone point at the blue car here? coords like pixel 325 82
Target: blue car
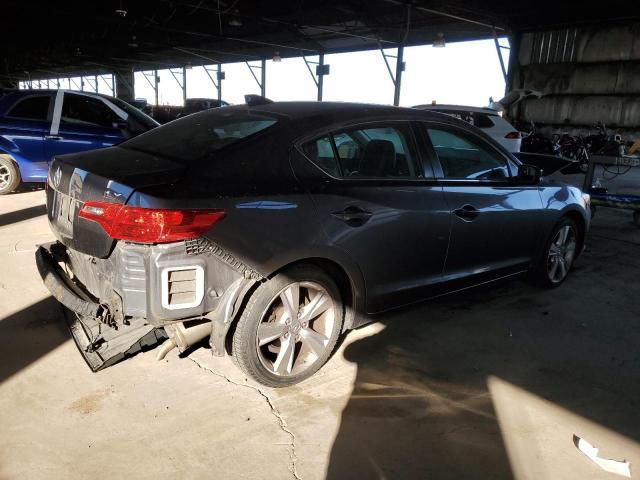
pixel 36 125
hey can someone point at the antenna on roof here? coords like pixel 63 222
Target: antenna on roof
pixel 255 100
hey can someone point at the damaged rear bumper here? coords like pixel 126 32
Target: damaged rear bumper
pixel 99 344
pixel 111 317
pixel 60 286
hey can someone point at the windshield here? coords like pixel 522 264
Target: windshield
pixel 197 136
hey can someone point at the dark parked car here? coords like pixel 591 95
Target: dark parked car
pixel 271 229
pixel 35 125
pixel 194 105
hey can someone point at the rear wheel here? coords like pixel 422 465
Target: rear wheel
pixel 289 327
pixel 9 175
pixel 560 252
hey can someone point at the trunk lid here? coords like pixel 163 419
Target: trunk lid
pixel 110 174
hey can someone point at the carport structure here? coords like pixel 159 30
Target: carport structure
pixel 116 38
pixel 555 364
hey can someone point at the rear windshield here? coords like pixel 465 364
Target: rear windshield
pixel 197 136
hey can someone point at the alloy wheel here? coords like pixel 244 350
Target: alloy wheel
pixel 5 177
pixel 561 254
pixel 296 328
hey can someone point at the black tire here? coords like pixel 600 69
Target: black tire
pixel 9 175
pixel 541 275
pixel 245 349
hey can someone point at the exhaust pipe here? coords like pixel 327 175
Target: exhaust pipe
pixel 183 337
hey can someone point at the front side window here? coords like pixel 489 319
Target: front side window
pixel 86 111
pixel 465 158
pixel 31 108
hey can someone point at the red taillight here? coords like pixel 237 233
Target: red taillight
pixel 149 225
pixel 513 135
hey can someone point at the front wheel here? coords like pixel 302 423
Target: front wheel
pixel 559 254
pixel 289 327
pixel 9 175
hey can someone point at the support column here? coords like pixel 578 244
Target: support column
pixel 155 82
pixel 220 75
pixel 123 85
pixel 320 73
pixel 216 79
pixel 184 86
pixel 322 69
pixel 499 49
pixel 263 80
pixel 398 79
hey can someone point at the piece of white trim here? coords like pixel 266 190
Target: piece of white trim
pixel 619 467
pixel 199 294
pixel 57 113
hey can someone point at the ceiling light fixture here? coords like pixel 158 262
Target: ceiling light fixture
pixel 439 42
pixel 276 57
pixel 235 22
pixel 121 11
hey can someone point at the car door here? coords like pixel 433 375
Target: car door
pixel 82 122
pixel 24 127
pixel 377 205
pixel 494 226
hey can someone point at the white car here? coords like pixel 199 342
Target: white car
pixel 487 119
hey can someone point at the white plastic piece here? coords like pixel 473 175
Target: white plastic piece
pixel 612 466
pixel 199 295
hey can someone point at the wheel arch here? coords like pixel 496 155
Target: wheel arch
pixel 581 223
pixel 349 282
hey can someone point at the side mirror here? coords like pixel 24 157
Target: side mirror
pixel 529 174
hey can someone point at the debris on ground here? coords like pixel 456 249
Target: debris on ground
pixel 612 466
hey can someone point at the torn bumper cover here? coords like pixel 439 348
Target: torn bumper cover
pixel 99 344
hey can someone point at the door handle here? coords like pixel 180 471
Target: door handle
pixel 53 137
pixel 353 216
pixel 467 213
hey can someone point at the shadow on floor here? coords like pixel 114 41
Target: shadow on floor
pixel 30 334
pixel 28 187
pixel 421 407
pixel 24 214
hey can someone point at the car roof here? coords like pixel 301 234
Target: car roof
pixel 455 108
pixel 324 113
pixel 18 93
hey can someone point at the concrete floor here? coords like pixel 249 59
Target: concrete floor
pixel 491 383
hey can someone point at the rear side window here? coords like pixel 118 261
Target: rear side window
pixel 464 158
pixel 32 108
pixel 84 110
pixel 320 152
pixel 371 153
pixel 198 136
